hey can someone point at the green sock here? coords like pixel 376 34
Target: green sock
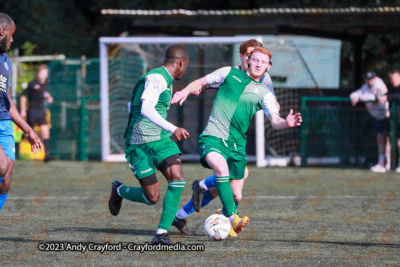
pixel 171 204
pixel 236 206
pixel 134 194
pixel 225 194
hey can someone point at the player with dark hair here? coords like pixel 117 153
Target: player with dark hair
pixel 204 191
pixel 222 143
pixel 36 92
pixel 8 112
pixel 148 145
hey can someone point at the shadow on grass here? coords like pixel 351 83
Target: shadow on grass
pixel 358 244
pixel 105 230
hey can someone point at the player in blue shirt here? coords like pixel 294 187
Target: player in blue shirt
pixel 8 112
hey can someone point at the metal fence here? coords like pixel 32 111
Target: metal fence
pixel 335 133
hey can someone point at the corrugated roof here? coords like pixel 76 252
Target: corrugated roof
pixel 348 10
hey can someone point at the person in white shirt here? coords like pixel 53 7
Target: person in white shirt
pixel 373 94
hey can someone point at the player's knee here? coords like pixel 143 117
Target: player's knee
pixel 177 175
pixel 3 168
pixel 222 170
pixel 171 167
pixel 153 197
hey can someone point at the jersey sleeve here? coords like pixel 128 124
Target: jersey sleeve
pixel 27 90
pixel 267 81
pixel 382 87
pixel 9 68
pixel 155 84
pixel 358 92
pixel 149 111
pixel 218 76
pixel 268 104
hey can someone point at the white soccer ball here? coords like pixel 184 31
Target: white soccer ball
pixel 217 227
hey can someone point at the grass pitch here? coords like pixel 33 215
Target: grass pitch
pixel 298 217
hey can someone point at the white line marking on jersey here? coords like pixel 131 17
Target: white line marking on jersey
pixel 146 171
pixel 215 150
pixel 237 78
pixel 133 169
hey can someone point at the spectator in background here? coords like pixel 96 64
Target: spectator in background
pixel 393 95
pixel 373 93
pixel 36 93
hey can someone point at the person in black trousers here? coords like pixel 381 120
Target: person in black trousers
pixel 36 92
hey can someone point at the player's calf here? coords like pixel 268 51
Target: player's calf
pixel 4 163
pixel 148 193
pixel 172 170
pixel 3 168
pixel 5 183
pixel 4 188
pixel 150 188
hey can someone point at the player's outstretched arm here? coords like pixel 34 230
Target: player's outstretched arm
pixel 292 120
pixel 277 104
pixel 194 87
pixel 148 110
pixel 30 135
pixel 355 97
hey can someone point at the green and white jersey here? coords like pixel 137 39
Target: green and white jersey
pixel 238 99
pixel 265 79
pixel 155 86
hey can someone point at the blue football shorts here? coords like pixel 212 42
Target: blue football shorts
pixel 7 138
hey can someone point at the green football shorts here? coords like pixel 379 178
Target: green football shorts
pixel 234 155
pixel 144 158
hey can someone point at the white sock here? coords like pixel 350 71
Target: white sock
pixel 203 185
pixel 181 214
pixel 381 159
pixel 388 159
pixel 161 231
pixel 119 194
pixel 231 218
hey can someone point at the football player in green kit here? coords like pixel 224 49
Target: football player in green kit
pixel 222 143
pixel 148 145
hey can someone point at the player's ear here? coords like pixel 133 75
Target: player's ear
pixel 182 62
pixel 3 32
